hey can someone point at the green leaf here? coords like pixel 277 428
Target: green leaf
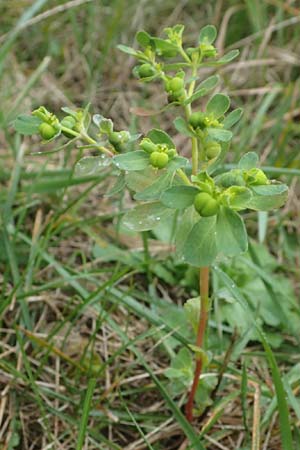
pixel 183 128
pixel 219 134
pixel 192 311
pixel 145 217
pixel 285 427
pixel 248 161
pixel 165 48
pixel 185 224
pixel 160 137
pixel 268 197
pixel 231 233
pixel 91 165
pixel 232 118
pixel 228 57
pixel 179 197
pixel 143 38
pixel 176 163
pixel 218 105
pixel 200 247
pixel 137 181
pixel 237 197
pixel 137 160
pixel 204 87
pixel 128 50
pixel 207 34
pixel 154 191
pixel 27 125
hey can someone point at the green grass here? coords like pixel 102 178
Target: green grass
pixel 89 327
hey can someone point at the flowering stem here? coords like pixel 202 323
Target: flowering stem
pixel 204 302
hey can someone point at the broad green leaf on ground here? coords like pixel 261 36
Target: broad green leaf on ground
pixel 268 197
pixel 231 233
pixel 146 216
pixel 27 125
pixel 248 161
pixel 218 105
pixel 137 160
pixel 179 197
pixel 200 247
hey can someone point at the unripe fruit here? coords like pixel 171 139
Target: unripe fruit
pixel 171 152
pixel 115 137
pixel 68 122
pixel 148 146
pixel 196 120
pixel 233 178
pixel 256 177
pixel 176 84
pixel 146 70
pixel 47 131
pixel 159 160
pixel 212 149
pixel 205 204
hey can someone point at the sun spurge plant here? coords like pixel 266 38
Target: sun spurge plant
pixel 209 202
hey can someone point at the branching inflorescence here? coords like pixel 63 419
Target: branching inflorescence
pixel 208 200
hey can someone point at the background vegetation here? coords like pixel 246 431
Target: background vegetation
pixel 89 328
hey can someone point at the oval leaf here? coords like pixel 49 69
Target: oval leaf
pixel 160 137
pixel 145 217
pixel 232 118
pixel 228 57
pixel 137 160
pixel 231 233
pixel 179 197
pixel 268 197
pixel 27 125
pixel 207 34
pixel 200 247
pixel 248 161
pixel 91 165
pixel 218 105
pixel 219 134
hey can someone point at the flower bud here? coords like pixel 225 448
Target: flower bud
pixel 159 160
pixel 205 204
pixel 176 84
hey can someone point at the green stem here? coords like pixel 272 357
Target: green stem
pixel 92 141
pixel 204 309
pixel 183 176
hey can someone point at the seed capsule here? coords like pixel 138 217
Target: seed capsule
pixel 206 205
pixel 159 160
pixel 47 131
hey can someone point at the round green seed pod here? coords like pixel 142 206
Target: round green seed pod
pixel 231 179
pixel 146 70
pixel 176 84
pixel 115 137
pixel 159 160
pixel 47 131
pixel 206 205
pixel 212 149
pixel 196 120
pixel 68 122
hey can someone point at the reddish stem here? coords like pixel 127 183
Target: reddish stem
pixel 204 291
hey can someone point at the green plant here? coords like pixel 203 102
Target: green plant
pixel 207 199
